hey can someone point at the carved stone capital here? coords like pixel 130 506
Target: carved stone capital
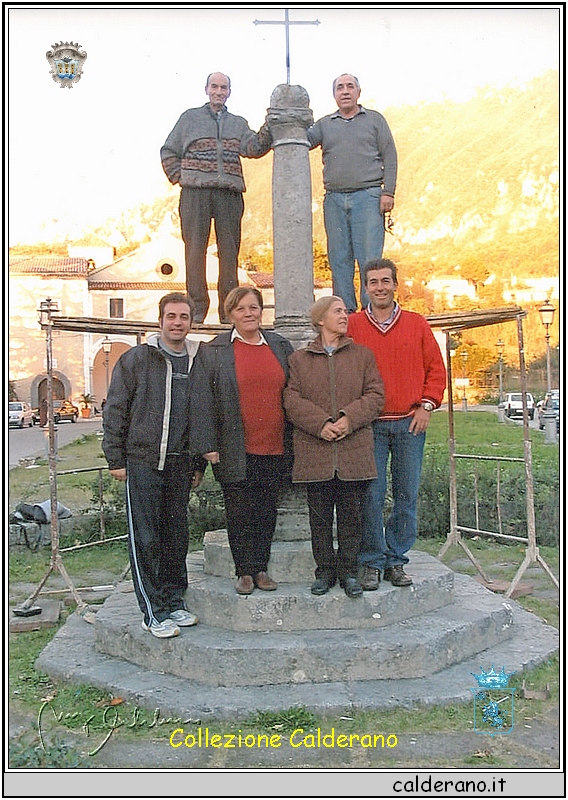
pixel 289 115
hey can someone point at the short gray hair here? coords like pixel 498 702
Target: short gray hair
pixel 215 73
pixel 357 84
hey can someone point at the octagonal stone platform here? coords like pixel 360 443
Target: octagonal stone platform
pixel 289 635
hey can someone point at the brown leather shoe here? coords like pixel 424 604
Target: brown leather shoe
pixel 245 585
pixel 265 582
pixel 397 576
pixel 369 578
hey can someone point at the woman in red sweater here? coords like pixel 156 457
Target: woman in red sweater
pixel 243 431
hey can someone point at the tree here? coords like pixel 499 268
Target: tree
pixel 322 270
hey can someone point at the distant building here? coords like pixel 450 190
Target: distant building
pixel 83 285
pixel 130 287
pixel 447 288
pixel 94 250
pixel 531 290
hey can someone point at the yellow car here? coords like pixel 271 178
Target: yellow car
pixel 64 409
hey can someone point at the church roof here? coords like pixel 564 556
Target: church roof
pixel 60 266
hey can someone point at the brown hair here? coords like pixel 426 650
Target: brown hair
pixel 320 309
pixel 175 297
pixel 236 295
pixel 380 263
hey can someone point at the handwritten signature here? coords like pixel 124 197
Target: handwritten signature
pixel 111 721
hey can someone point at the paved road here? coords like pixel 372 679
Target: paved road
pixel 28 442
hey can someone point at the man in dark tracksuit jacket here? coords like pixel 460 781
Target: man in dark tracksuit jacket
pixel 147 443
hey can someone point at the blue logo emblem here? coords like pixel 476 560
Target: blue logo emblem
pixel 493 703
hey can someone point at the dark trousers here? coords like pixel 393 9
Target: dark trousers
pixel 346 498
pixel 251 510
pixel 197 207
pixel 158 535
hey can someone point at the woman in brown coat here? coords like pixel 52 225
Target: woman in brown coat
pixel 333 394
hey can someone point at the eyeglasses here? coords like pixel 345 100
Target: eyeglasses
pixel 388 222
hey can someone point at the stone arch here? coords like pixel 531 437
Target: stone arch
pixel 38 389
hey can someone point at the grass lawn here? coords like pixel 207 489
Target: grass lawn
pixel 30 690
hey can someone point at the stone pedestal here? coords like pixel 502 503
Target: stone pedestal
pixel 288 117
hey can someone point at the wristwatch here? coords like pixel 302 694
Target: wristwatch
pixel 427 406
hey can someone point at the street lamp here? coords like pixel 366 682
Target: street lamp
pixel 464 396
pixel 107 347
pixel 546 313
pixel 500 345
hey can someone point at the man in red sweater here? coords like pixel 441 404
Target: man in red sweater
pixel 414 376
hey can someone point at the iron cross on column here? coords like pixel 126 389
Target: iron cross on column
pixel 287 22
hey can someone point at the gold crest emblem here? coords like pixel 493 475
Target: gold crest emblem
pixel 66 60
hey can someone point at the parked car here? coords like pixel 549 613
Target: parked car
pixel 20 414
pixel 64 409
pixel 549 405
pixel 514 405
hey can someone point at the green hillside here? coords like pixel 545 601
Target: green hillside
pixel 477 181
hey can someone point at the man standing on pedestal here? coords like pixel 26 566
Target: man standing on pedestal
pixel 359 176
pixel 202 154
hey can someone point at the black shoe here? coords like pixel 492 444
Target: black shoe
pixel 369 578
pixel 397 576
pixel 352 587
pixel 322 585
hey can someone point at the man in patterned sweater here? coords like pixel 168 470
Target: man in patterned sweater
pixel 202 154
pixel 414 376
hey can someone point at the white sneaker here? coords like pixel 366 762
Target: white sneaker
pixel 183 618
pixel 162 630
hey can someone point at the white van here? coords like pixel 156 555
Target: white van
pixel 514 405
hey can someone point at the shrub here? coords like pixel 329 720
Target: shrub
pixel 434 497
pixel 205 511
pixel 27 753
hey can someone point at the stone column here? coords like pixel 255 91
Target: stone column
pixel 289 116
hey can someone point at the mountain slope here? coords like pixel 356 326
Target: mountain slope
pixel 478 188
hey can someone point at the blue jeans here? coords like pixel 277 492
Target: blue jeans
pixel 381 546
pixel 355 231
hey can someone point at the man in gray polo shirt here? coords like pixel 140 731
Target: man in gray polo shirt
pixel 359 176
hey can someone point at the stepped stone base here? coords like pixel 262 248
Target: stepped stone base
pixel 289 635
pixel 292 607
pixel 290 561
pixel 72 656
pixel 407 649
pixel 273 649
